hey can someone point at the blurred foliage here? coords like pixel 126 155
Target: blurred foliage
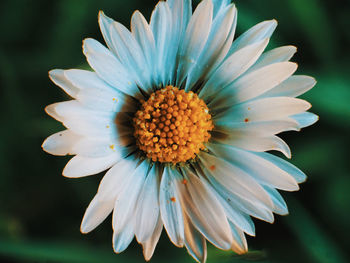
pixel 40 211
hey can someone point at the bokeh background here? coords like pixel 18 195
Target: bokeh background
pixel 41 211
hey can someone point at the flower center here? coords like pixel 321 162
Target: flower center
pixel 172 125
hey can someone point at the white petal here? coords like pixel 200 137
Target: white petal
pixel 219 5
pixel 96 213
pixel 235 179
pixel 123 238
pixel 216 48
pixel 246 205
pixel 255 34
pixel 232 68
pixel 147 207
pixel 255 83
pixel 170 208
pixel 114 181
pixel 85 121
pixel 276 55
pixel 102 100
pixel 57 76
pixel 144 36
pixel 305 119
pixel 108 67
pixel 125 204
pixel 195 39
pixel 239 244
pixel 204 211
pixel 51 110
pixel 292 87
pixel 80 166
pixel 99 147
pixel 150 244
pixel 161 25
pixel 234 130
pixel 298 175
pixel 264 109
pixel 280 206
pixel 195 242
pixel 259 168
pixel 257 144
pixel 61 143
pixel 181 15
pixel 131 55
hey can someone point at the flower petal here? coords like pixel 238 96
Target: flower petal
pixel 239 244
pixel 125 203
pixel 232 67
pixel 305 119
pixel 298 175
pixel 260 169
pixel 150 244
pixel 216 47
pixel 109 68
pixel 194 241
pixel 255 34
pixel 235 179
pixel 292 87
pixel 195 39
pixel 80 166
pixel 264 109
pixel 255 83
pixel 170 207
pixel 204 211
pixel 57 76
pixel 96 213
pixel 147 207
pixel 61 143
pixel 161 25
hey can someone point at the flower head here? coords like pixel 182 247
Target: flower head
pixel 181 117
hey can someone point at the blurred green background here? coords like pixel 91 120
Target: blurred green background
pixel 41 211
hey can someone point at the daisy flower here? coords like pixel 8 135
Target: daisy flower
pixel 181 116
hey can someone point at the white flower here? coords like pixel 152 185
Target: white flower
pixel 181 117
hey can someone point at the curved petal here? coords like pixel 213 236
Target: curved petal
pixel 147 207
pixel 126 201
pixel 162 27
pixel 239 244
pixel 255 83
pixel 276 55
pixel 80 166
pixel 170 208
pixel 57 76
pixel 298 175
pixel 197 33
pixel 194 241
pixel 259 168
pixel 150 245
pixel 255 34
pixel 96 213
pixel 305 119
pixel 231 68
pixel 61 143
pixel 235 179
pixel 216 47
pixel 292 87
pixel 109 68
pixel 204 211
pixel 264 109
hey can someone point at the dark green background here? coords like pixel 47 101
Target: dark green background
pixel 41 211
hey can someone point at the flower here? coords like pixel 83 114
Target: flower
pixel 181 116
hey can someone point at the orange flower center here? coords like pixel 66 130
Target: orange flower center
pixel 172 125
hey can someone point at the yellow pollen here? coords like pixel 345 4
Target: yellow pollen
pixel 172 125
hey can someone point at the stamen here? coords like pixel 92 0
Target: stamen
pixel 172 125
